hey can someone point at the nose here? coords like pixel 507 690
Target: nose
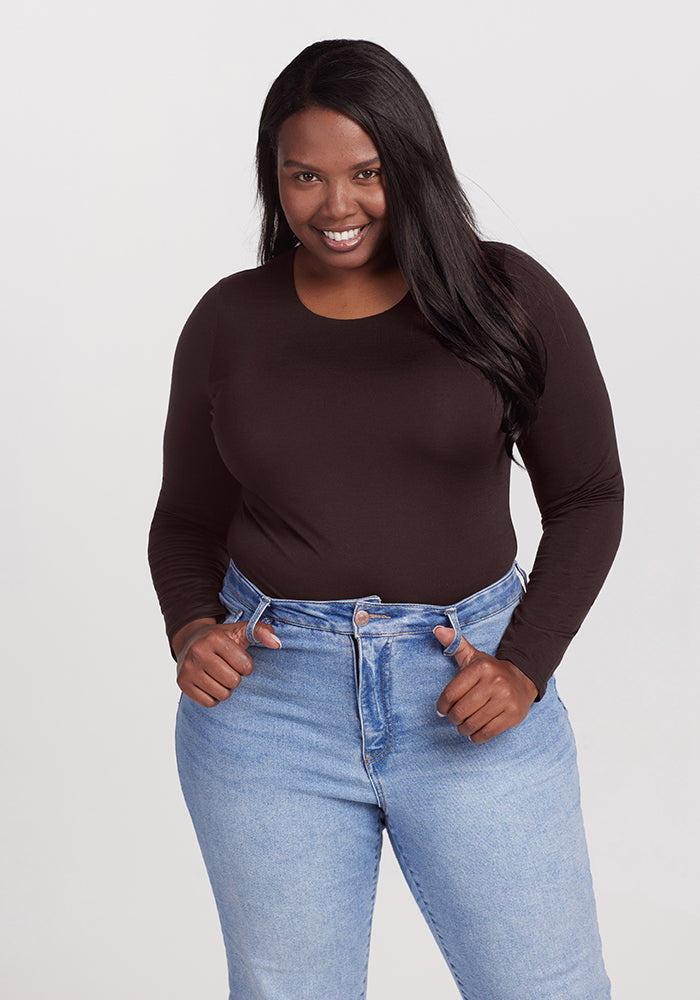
pixel 339 202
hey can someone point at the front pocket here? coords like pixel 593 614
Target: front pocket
pixel 233 616
pixel 485 633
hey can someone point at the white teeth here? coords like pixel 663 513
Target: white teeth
pixel 347 234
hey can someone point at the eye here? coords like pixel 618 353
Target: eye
pixel 305 176
pixel 368 174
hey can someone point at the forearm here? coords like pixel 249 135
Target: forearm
pixel 573 559
pixel 188 563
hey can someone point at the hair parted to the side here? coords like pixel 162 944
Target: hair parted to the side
pixel 454 274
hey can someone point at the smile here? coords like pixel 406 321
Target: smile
pixel 344 239
pixel 346 234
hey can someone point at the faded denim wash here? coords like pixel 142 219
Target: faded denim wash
pixel 292 780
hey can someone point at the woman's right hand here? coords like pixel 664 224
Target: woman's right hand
pixel 212 658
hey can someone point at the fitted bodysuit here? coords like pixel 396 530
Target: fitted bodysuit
pixel 337 458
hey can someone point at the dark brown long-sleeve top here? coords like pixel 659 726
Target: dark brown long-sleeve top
pixel 336 458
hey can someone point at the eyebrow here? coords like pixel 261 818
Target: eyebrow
pixel 315 170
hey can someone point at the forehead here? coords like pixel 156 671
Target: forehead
pixel 322 136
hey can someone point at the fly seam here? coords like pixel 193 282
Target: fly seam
pixel 386 678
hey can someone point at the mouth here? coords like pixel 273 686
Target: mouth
pixel 343 239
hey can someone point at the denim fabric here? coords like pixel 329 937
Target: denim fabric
pixel 291 781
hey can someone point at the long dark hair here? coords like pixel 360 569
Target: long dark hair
pixel 454 274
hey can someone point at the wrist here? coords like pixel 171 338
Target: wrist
pixel 527 681
pixel 183 636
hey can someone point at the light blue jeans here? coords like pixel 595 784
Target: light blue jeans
pixel 334 737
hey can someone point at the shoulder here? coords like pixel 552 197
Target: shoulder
pixel 255 285
pixel 530 280
pixel 542 296
pixel 235 297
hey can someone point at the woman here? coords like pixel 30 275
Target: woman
pixel 335 560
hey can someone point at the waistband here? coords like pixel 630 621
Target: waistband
pixel 370 616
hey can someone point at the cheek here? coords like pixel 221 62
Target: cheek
pixel 287 204
pixel 294 204
pixel 377 205
pixel 299 213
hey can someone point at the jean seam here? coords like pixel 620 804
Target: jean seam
pixel 559 699
pixel 430 918
pixel 382 804
pixel 233 616
pixel 492 614
pixel 377 853
pixel 386 680
pixel 418 631
pixel 271 619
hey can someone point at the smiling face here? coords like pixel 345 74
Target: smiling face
pixel 332 190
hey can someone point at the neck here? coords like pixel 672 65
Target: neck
pixel 348 293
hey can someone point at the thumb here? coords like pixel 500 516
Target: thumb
pixel 265 634
pixel 445 635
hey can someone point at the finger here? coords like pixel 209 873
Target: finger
pixel 495 727
pixel 457 688
pixel 476 701
pixel 211 672
pixel 264 634
pixel 446 635
pixel 212 687
pixel 197 695
pixel 230 649
pixel 223 671
pixel 475 721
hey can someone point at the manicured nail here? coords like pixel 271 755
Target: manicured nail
pixel 441 714
pixel 278 641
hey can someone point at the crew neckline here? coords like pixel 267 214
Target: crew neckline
pixel 336 319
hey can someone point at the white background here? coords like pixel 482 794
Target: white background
pixel 128 136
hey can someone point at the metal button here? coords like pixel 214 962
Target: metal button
pixel 361 617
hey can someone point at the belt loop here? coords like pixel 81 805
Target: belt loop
pixel 255 618
pixel 454 645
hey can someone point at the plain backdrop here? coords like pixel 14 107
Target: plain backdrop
pixel 128 141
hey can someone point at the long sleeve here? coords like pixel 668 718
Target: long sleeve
pixel 187 541
pixel 571 456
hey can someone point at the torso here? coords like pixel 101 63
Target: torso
pixel 356 441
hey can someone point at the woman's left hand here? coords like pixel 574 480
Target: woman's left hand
pixel 487 696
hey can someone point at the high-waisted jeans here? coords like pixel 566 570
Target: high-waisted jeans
pixel 291 781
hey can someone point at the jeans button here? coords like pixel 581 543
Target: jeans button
pixel 361 617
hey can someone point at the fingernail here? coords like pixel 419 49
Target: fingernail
pixel 441 714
